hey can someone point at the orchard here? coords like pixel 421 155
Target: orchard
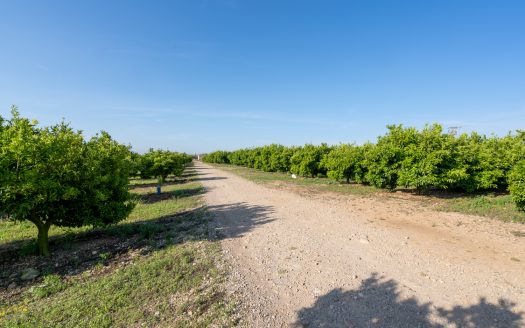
pixel 54 176
pixel 426 159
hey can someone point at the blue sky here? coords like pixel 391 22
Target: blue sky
pixel 201 75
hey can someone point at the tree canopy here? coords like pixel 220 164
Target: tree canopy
pixel 53 176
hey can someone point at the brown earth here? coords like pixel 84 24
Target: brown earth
pixel 331 260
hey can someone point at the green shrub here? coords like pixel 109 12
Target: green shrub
pixel 50 285
pixel 52 176
pixel 219 157
pixel 306 161
pixel 161 163
pixel 420 159
pixel 517 185
pixel 344 163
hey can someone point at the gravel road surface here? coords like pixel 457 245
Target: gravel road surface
pixel 331 260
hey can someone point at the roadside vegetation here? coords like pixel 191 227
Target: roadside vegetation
pixel 159 267
pixel 427 161
pixel 112 249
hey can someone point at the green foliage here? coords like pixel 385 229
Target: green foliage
pixel 344 163
pixel 306 161
pixel 51 284
pixel 219 157
pixel 383 162
pixel 161 163
pixel 421 159
pixel 52 176
pixel 427 159
pixel 517 185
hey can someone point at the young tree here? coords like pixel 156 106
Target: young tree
pixel 162 163
pixel 52 176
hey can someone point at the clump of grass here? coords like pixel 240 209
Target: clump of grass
pixel 494 206
pixel 51 284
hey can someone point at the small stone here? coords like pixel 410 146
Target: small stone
pixel 29 274
pixel 157 313
pixel 355 277
pixel 94 252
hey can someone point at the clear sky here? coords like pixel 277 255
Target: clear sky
pixel 201 75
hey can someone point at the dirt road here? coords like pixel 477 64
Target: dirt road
pixel 334 260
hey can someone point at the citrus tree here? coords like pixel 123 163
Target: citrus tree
pixel 517 185
pixel 52 176
pixel 343 162
pixel 162 163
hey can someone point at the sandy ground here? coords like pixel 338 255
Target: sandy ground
pixel 329 260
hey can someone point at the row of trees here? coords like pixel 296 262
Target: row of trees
pixel 403 157
pixel 53 176
pixel 160 164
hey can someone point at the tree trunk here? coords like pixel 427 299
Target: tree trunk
pixel 43 239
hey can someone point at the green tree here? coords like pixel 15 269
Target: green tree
pixel 162 163
pixel 383 160
pixel 517 184
pixel 427 159
pixel 343 162
pixel 219 157
pixel 52 176
pixel 306 161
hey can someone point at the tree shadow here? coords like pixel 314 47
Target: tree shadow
pixel 377 303
pixel 75 253
pixel 169 182
pixel 236 219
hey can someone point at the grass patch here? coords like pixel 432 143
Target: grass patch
pixel 161 267
pixel 177 286
pixel 494 206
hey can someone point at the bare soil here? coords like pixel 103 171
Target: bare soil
pixel 331 260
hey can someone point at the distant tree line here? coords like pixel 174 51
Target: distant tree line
pixel 404 157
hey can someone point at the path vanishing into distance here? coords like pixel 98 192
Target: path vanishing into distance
pixel 330 260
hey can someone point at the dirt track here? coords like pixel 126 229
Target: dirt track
pixel 330 260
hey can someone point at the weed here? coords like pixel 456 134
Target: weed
pixel 51 284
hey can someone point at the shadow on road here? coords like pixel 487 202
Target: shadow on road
pixel 77 252
pixel 234 220
pixel 377 303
